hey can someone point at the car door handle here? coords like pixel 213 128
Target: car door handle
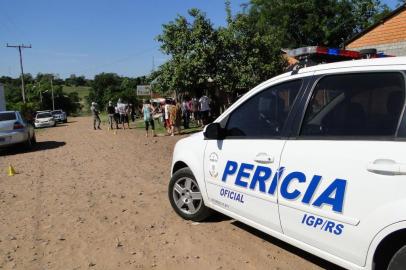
pixel 263 158
pixel 386 167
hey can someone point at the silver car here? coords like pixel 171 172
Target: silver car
pixel 15 130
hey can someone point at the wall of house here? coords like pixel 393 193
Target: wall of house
pixel 388 37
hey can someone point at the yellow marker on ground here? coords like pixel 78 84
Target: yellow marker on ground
pixel 11 171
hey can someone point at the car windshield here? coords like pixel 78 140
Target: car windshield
pixel 56 112
pixel 7 116
pixel 44 115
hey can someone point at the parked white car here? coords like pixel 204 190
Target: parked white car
pixel 44 119
pixel 15 130
pixel 315 157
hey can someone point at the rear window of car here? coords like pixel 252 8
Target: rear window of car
pixel 7 116
pixel 44 115
pixel 56 112
pixel 367 104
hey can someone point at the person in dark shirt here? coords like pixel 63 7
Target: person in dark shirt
pixel 111 111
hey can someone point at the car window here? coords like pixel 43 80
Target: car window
pixel 367 104
pixel 7 116
pixel 264 114
pixel 44 115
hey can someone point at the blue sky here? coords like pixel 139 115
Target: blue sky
pixel 88 37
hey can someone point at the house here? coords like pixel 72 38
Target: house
pixel 387 36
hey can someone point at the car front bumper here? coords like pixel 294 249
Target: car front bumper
pixel 44 124
pixel 60 118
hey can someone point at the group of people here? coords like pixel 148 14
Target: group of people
pixel 117 115
pixel 171 114
pixel 120 114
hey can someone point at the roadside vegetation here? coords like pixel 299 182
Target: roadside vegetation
pixel 223 62
pixel 228 61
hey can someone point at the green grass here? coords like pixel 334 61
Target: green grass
pixel 83 91
pixel 159 128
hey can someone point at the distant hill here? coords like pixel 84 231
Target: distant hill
pixel 83 91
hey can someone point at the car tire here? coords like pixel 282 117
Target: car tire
pixel 185 196
pixel 54 124
pixel 398 260
pixel 65 121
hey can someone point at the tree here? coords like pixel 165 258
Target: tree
pixel 246 55
pixel 191 46
pixel 110 87
pixel 315 22
pixel 236 57
pixel 74 80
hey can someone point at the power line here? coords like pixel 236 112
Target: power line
pixel 120 60
pixel 20 47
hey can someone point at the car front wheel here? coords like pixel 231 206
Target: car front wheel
pixel 398 261
pixel 185 196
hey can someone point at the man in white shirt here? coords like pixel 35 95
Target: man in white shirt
pixel 122 111
pixel 204 109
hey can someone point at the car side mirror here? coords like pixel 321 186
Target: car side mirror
pixel 214 131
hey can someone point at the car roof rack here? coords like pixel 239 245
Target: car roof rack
pixel 315 55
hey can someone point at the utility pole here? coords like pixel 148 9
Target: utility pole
pixel 20 47
pixel 40 93
pixel 52 92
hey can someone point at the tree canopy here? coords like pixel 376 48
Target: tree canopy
pixel 247 50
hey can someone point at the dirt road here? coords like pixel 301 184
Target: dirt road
pixel 85 199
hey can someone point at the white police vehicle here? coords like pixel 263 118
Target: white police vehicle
pixel 315 157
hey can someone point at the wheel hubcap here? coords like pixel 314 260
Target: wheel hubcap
pixel 187 196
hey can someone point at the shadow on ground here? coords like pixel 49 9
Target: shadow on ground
pixel 40 146
pixel 216 217
pixel 190 131
pixel 297 251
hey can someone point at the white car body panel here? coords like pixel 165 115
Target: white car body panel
pixel 371 208
pixel 10 136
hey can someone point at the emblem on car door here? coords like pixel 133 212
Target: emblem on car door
pixel 213 159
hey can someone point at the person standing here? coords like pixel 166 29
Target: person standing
pixel 132 112
pixel 185 114
pixel 204 109
pixel 172 117
pixel 121 111
pixel 127 115
pixel 178 117
pixel 111 111
pixel 196 110
pixel 116 116
pixel 95 114
pixel 167 116
pixel 147 110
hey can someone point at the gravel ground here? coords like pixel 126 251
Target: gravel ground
pixel 86 199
